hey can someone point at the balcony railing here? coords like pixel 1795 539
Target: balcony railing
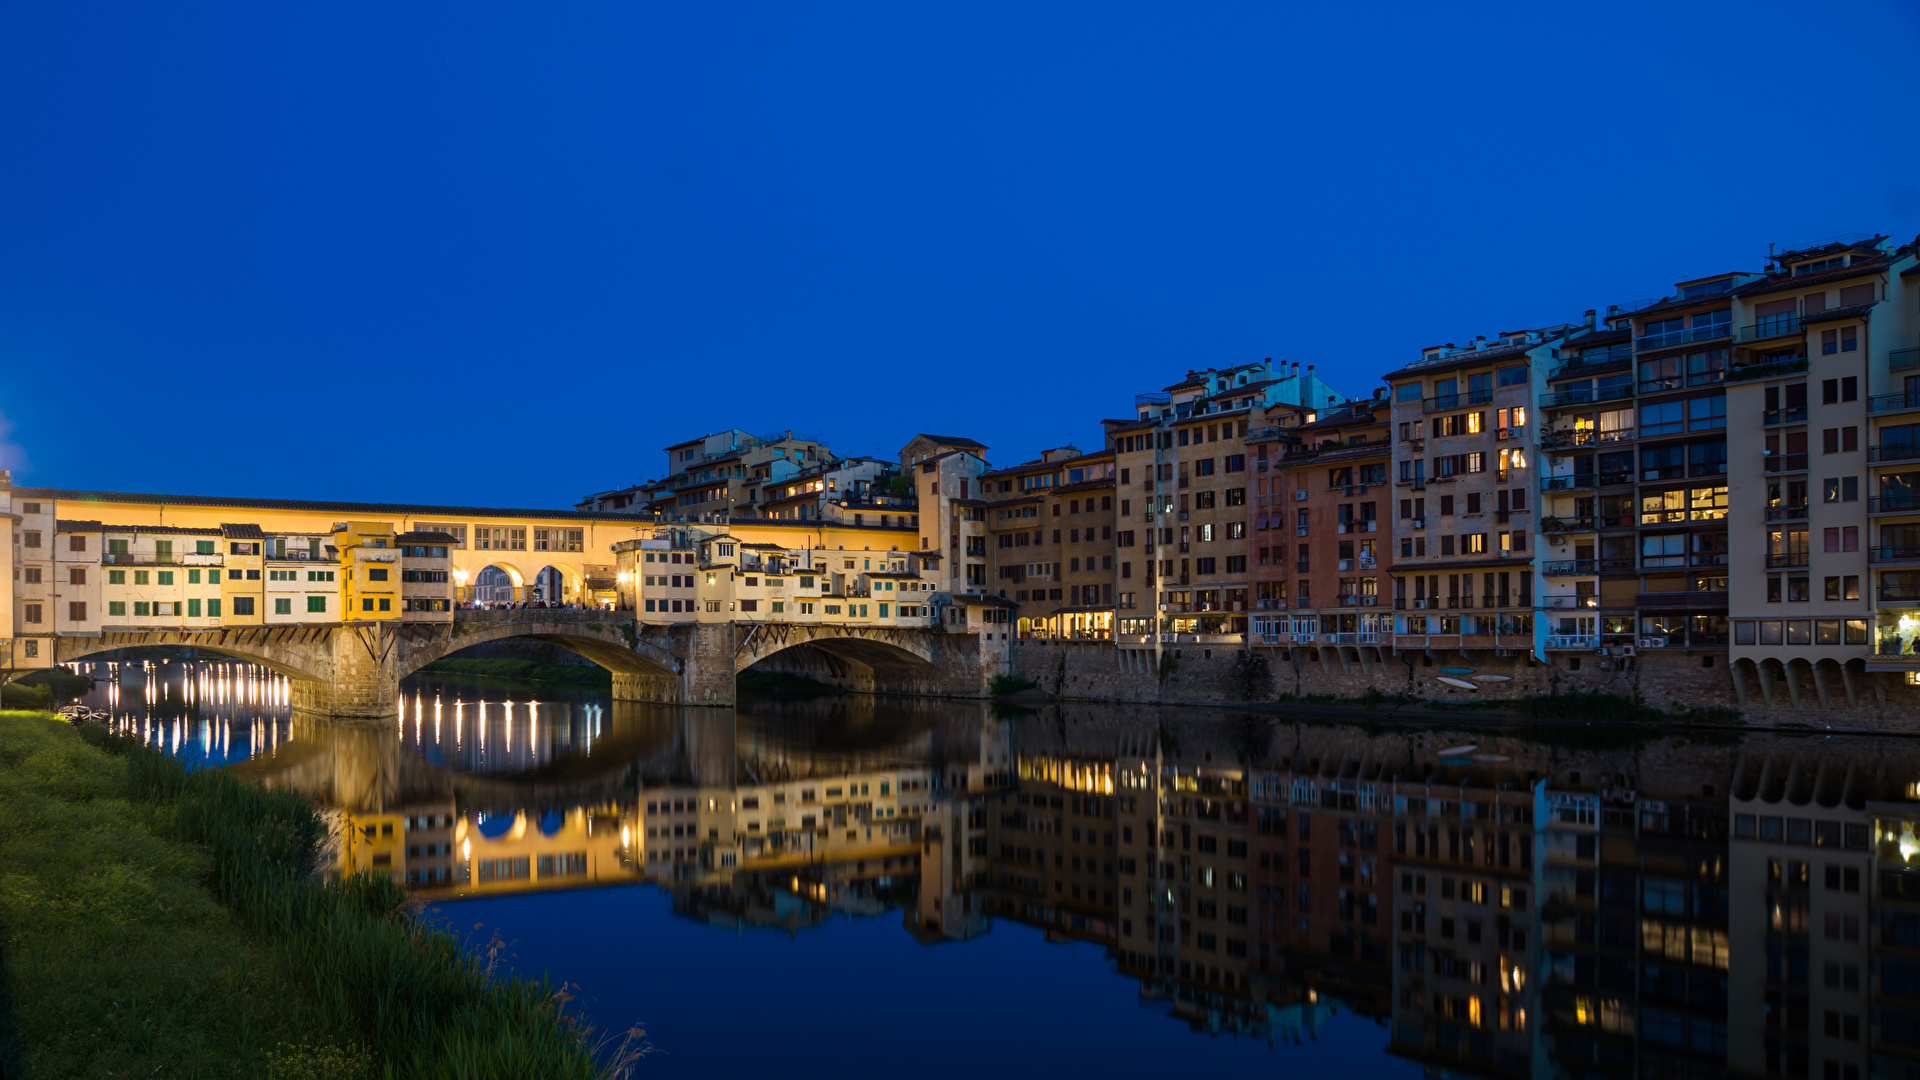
pixel 1894 452
pixel 1882 403
pixel 1457 401
pixel 1556 524
pixel 1571 482
pixel 1778 326
pixel 1787 512
pixel 1357 600
pixel 1902 359
pixel 1786 559
pixel 1767 371
pixel 1885 553
pixel 148 558
pixel 1585 396
pixel 1573 641
pixel 1571 567
pixel 1785 463
pixel 1576 602
pixel 1795 415
pixel 1899 592
pixel 1682 337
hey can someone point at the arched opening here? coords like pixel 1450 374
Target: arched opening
pixel 861 665
pixel 556 584
pixel 493 585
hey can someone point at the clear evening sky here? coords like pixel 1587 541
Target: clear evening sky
pixel 501 254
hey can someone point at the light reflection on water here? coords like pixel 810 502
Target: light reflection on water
pixel 203 712
pixel 1477 903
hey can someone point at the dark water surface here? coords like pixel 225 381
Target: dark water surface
pixel 838 885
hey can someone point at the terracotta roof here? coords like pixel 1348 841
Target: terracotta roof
pixel 1469 358
pixel 1789 283
pixel 61 525
pixel 1857 311
pixel 950 440
pixel 241 531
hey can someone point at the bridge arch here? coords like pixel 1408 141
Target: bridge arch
pixel 600 640
pixel 866 659
pixel 302 655
pixel 572 582
pixel 468 581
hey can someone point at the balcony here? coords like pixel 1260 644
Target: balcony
pixel 1357 600
pixel 1457 401
pixel 1787 512
pixel 1901 593
pixel 1573 641
pixel 1892 403
pixel 1786 559
pixel 1703 599
pixel 1778 326
pixel 1903 359
pixel 1555 524
pixel 1270 604
pixel 1682 337
pixel 148 558
pixel 1363 637
pixel 1891 553
pixel 1795 415
pixel 1894 452
pixel 1573 482
pixel 1767 371
pixel 1571 567
pixel 1785 463
pixel 1585 396
pixel 1575 602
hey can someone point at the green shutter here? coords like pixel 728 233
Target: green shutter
pixel 193 609
pixel 213 608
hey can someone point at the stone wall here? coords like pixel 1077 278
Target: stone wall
pixel 1673 682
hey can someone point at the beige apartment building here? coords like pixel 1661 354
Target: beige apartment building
pixel 1464 488
pixel 945 471
pixel 1050 526
pixel 1824 555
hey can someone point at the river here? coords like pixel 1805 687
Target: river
pixel 842 884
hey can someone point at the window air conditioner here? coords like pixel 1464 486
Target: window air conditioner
pixel 1627 650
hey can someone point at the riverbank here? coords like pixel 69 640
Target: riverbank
pixel 156 921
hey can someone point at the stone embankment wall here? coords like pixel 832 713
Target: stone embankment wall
pixel 1222 675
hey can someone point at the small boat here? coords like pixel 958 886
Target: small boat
pixel 1461 683
pixel 1456 671
pixel 1493 678
pixel 1453 751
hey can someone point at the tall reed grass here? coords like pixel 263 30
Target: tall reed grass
pixel 375 973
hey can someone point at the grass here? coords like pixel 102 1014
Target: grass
pixel 524 670
pixel 44 689
pixel 159 922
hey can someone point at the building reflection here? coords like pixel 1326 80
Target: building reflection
pixel 1745 905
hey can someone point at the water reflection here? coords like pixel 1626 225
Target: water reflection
pixel 206 713
pixel 1580 902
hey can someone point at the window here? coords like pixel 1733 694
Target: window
pixel 243 605
pixel 376 573
pixel 1665 418
pixel 1704 414
pixel 1511 376
pixel 31 613
pixel 116 609
pixel 77 611
pixel 283 606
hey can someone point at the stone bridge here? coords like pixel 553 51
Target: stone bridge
pixel 356 670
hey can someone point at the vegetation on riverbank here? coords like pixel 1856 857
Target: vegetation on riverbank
pixel 522 670
pixel 154 920
pixel 44 689
pixel 1581 706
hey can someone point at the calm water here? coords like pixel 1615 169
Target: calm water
pixel 843 884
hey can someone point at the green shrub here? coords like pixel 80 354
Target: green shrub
pixel 1003 684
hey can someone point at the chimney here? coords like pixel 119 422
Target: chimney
pixel 1591 314
pixel 1480 342
pixel 1296 370
pixel 1309 371
pixel 1612 309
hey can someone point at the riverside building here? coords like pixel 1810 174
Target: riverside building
pixel 1464 490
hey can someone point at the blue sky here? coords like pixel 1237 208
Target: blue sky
pixel 522 248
